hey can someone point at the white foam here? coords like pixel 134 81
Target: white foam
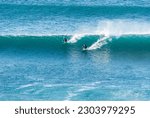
pixel 99 43
pixel 115 27
pixel 76 38
pixel 39 91
pixel 58 85
pixel 26 86
pixel 119 27
pixel 81 88
pixel 70 95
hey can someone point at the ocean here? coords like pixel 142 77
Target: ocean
pixel 35 63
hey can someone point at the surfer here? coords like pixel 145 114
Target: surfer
pixel 84 46
pixel 103 35
pixel 65 40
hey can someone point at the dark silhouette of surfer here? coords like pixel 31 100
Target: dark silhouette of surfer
pixel 84 46
pixel 65 40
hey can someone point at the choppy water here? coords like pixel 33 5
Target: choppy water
pixel 36 64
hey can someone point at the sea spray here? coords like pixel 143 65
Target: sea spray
pixel 75 38
pixel 99 43
pixel 118 27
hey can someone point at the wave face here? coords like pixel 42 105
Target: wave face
pixel 124 42
pixel 37 65
pixel 44 68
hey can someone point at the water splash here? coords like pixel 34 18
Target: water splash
pixel 76 38
pixel 99 43
pixel 119 27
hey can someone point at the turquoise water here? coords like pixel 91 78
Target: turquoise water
pixel 36 64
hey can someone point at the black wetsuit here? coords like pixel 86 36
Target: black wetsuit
pixel 84 46
pixel 65 40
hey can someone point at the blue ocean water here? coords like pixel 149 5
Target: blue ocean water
pixel 37 65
